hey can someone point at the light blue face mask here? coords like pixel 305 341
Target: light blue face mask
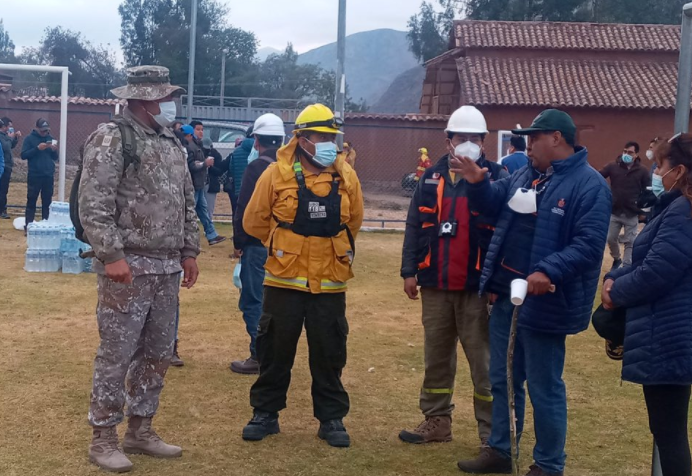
pixel 325 153
pixel 254 155
pixel 657 186
pixel 626 158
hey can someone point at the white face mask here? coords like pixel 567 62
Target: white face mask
pixel 650 154
pixel 468 149
pixel 524 201
pixel 167 114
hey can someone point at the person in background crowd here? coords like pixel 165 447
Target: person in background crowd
pixel 218 174
pixel 2 154
pixel 650 154
pixel 628 180
pixel 349 154
pixel 424 163
pixel 198 166
pixel 8 141
pixel 41 151
pixel 239 159
pixel 517 157
pixel 552 236
pixel 443 251
pixel 307 208
pixel 144 234
pixel 269 134
pixel 656 291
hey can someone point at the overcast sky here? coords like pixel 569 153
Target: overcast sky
pixel 305 23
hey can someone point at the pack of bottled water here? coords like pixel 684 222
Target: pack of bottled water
pixel 52 244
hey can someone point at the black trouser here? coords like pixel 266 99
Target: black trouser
pixel 283 313
pixel 38 186
pixel 4 188
pixel 668 406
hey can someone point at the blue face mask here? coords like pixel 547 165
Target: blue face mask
pixel 657 185
pixel 254 155
pixel 626 158
pixel 325 153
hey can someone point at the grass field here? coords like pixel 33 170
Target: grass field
pixel 48 339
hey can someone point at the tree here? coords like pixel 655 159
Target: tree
pixel 93 68
pixel 6 46
pixel 600 11
pixel 281 77
pixel 429 30
pixel 158 32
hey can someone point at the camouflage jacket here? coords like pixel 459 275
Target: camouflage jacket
pixel 147 210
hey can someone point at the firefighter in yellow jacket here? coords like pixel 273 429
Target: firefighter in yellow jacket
pixel 307 209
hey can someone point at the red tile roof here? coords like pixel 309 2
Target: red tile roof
pixel 71 100
pixel 397 117
pixel 567 83
pixel 567 36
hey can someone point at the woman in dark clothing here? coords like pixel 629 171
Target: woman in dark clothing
pixel 657 293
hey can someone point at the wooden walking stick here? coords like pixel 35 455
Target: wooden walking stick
pixel 514 451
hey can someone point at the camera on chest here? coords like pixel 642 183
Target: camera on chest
pixel 448 229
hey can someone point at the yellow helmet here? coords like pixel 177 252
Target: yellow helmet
pixel 423 150
pixel 318 118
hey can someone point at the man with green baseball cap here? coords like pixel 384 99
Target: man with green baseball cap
pixel 552 222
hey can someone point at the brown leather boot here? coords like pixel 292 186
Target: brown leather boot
pixel 534 470
pixel 435 429
pixel 489 461
pixel 141 439
pixel 176 361
pixel 104 451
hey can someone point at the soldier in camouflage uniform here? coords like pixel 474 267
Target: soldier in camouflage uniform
pixel 142 224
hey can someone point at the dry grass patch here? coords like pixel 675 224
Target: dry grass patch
pixel 49 337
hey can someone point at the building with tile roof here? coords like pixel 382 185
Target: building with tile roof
pixel 618 81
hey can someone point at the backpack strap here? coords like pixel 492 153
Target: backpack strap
pixel 129 143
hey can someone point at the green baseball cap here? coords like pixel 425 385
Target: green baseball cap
pixel 551 120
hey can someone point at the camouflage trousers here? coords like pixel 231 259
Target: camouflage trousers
pixel 137 326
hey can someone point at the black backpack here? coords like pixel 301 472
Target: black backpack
pixel 130 156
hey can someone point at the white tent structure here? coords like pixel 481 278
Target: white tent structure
pixel 64 71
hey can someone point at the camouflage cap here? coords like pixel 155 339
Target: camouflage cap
pixel 147 83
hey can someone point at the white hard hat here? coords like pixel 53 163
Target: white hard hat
pixel 269 125
pixel 467 119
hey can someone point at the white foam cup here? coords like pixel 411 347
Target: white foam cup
pixel 519 289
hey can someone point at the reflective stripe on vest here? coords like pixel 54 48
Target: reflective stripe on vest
pixel 301 283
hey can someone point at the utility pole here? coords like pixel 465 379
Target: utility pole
pixel 223 76
pixel 682 106
pixel 191 66
pixel 340 90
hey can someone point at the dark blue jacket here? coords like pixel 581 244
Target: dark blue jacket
pixel 570 236
pixel 657 292
pixel 515 161
pixel 41 162
pixel 238 163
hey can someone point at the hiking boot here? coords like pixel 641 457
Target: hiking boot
pixel 536 471
pixel 104 451
pixel 5 216
pixel 262 425
pixel 141 439
pixel 334 433
pixel 489 461
pixel 249 366
pixel 434 429
pixel 217 240
pixel 176 361
pixel 616 264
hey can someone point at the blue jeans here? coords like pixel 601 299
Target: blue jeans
pixel 539 359
pixel 252 279
pixel 203 215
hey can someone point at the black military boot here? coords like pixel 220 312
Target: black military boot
pixel 334 433
pixel 262 425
